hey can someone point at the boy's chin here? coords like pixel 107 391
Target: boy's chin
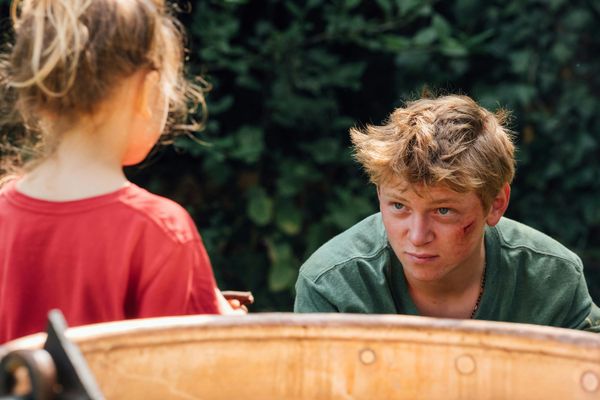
pixel 423 273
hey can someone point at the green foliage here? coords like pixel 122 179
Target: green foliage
pixel 276 178
pixel 290 78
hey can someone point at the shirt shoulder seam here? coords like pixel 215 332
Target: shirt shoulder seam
pixel 168 232
pixel 569 261
pixel 345 262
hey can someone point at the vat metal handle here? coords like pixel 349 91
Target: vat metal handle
pixel 56 372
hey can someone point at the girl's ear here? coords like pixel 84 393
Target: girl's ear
pixel 499 205
pixel 147 93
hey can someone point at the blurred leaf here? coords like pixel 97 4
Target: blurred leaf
pixel 283 272
pixel 294 176
pixel 520 61
pixel 466 11
pixel 248 145
pixel 287 217
pixel 453 48
pixel 577 18
pixel 478 39
pixel 591 212
pixel 260 207
pixel 425 36
pixel 409 6
pixel 556 4
pixel 561 52
pixel 347 209
pixel 350 4
pixel 323 150
pixel 394 42
pixel 221 105
pixel 441 26
pixel 385 5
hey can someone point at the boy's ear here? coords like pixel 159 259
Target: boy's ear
pixel 499 205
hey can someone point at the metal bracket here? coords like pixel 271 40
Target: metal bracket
pixel 56 372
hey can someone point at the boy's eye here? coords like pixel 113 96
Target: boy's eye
pixel 443 210
pixel 398 206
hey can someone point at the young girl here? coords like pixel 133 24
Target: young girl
pixel 95 79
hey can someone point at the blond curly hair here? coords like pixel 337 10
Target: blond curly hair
pixel 69 56
pixel 449 141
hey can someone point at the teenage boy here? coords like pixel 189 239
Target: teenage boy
pixel 440 245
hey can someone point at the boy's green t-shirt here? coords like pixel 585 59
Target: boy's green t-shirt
pixel 530 278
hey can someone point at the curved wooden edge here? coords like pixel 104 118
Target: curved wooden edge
pixel 562 335
pixel 336 325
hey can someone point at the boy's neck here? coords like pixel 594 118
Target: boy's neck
pixel 453 297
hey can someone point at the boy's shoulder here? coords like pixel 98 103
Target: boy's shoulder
pixel 516 236
pixel 365 240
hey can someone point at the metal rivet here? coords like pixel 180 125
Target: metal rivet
pixel 367 356
pixel 589 381
pixel 465 364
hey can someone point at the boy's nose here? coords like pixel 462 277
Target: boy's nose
pixel 419 231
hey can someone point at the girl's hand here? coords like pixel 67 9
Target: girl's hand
pixel 234 302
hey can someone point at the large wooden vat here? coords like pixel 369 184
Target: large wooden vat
pixel 334 356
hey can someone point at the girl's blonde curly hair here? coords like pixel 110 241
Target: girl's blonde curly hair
pixel 69 55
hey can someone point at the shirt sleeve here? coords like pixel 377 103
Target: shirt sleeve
pixel 592 321
pixel 583 314
pixel 309 299
pixel 179 282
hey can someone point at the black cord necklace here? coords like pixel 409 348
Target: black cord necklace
pixel 480 293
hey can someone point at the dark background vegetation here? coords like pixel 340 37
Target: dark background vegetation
pixel 276 179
